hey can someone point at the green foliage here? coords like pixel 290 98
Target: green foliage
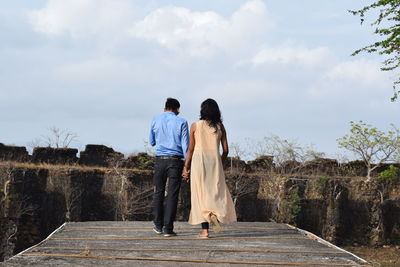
pixel 290 207
pixel 372 145
pixel 390 173
pixel 389 46
pixel 144 161
pixel 321 183
pixel 347 170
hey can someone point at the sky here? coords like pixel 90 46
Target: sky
pixel 103 69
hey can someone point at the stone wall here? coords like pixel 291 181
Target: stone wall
pixel 103 156
pixel 7 238
pixel 318 196
pixel 13 153
pixel 344 210
pixel 54 155
pixel 35 201
pixel 93 155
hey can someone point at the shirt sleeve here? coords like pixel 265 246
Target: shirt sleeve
pixel 185 138
pixel 152 139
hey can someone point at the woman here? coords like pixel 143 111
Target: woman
pixel 210 197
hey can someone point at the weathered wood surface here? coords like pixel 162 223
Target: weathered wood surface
pixel 135 244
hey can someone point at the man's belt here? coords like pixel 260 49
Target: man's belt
pixel 169 157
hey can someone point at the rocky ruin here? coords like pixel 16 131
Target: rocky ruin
pixel 39 192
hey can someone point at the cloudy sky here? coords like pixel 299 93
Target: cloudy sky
pixel 103 69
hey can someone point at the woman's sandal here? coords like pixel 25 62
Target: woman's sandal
pixel 202 236
pixel 216 225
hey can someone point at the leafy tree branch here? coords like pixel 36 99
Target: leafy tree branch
pixel 387 26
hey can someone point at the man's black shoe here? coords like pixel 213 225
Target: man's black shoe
pixel 169 234
pixel 157 230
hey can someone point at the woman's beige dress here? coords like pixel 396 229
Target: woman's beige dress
pixel 209 193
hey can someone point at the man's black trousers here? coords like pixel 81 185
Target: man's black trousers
pixel 166 169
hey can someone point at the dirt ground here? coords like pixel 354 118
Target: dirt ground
pixel 387 256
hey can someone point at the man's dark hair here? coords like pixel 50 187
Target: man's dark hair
pixel 172 104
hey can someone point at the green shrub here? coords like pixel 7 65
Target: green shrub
pixel 321 183
pixel 144 161
pixel 290 207
pixel 390 173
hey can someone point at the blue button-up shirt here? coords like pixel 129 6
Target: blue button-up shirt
pixel 169 133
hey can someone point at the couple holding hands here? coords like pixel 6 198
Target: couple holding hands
pixel 192 155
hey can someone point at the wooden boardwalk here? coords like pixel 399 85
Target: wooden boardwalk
pixel 135 244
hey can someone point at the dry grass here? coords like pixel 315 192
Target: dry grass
pixel 294 176
pixel 388 256
pixel 107 169
pixel 61 167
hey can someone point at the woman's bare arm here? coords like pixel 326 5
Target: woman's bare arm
pixel 189 154
pixel 224 142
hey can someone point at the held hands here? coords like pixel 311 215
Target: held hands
pixel 186 173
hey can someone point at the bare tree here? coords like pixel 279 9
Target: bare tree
pixel 284 150
pixel 257 147
pixel 14 206
pixel 139 199
pixel 129 199
pixel 311 153
pixel 72 197
pixel 37 142
pixel 116 186
pixel 148 148
pixel 291 150
pixel 22 206
pixel 59 138
pixel 241 184
pixel 238 153
pixel 341 158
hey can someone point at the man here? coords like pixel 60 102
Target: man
pixel 169 133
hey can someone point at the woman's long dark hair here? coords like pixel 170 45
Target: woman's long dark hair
pixel 210 112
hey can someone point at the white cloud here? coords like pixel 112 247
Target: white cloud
pixel 133 54
pixel 361 78
pixel 204 33
pixel 365 72
pixel 289 53
pixel 82 18
pixel 179 28
pixel 99 69
pixel 241 92
pixel 182 30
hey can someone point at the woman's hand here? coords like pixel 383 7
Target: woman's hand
pixel 186 173
pixel 189 155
